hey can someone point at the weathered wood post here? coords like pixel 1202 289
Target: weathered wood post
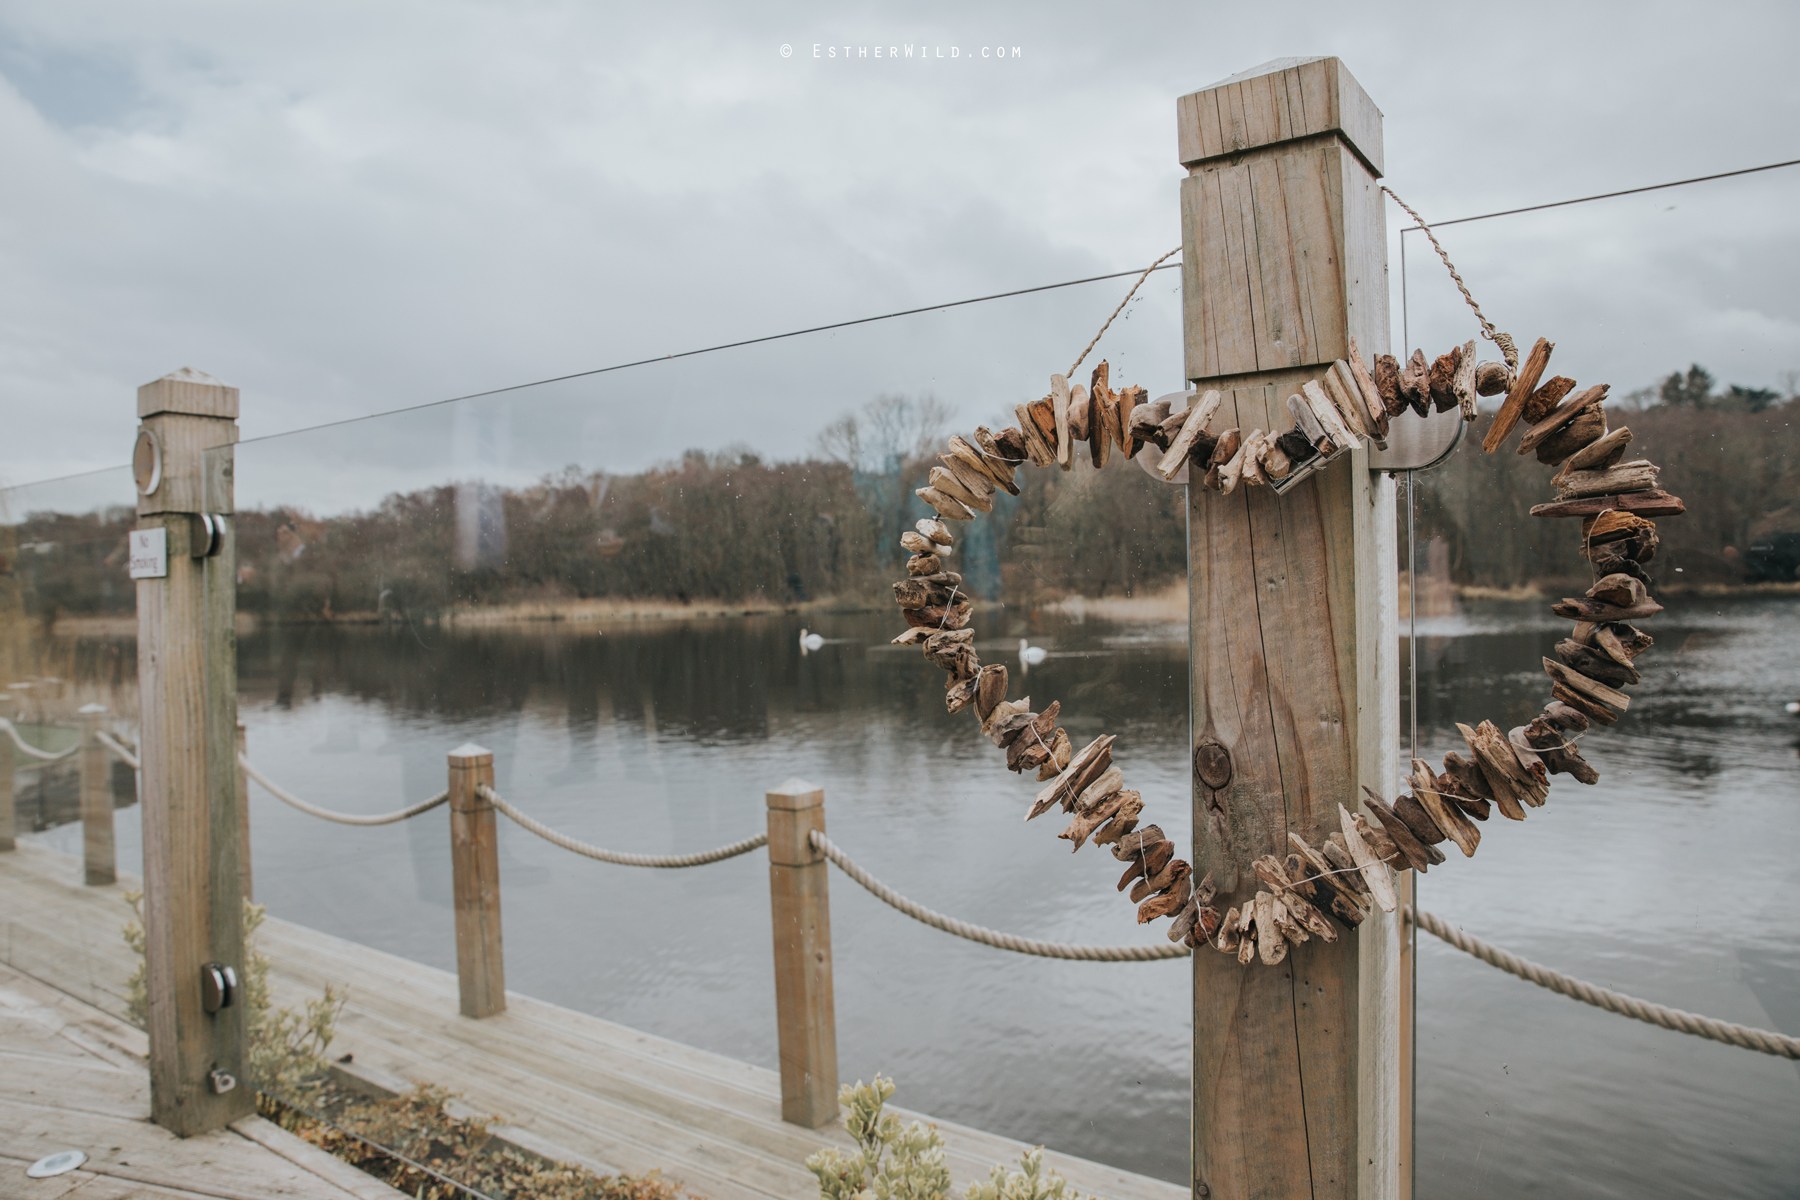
pixel 800 908
pixel 1293 635
pixel 97 851
pixel 8 817
pixel 475 880
pixel 243 806
pixel 185 564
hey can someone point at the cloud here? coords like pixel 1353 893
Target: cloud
pixel 344 209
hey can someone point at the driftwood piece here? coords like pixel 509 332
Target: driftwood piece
pixel 1415 383
pixel 1596 664
pixel 1614 525
pixel 1376 839
pixel 1347 899
pixel 1124 819
pixel 1565 719
pixel 1167 903
pixel 1365 387
pixel 924 564
pixel 1207 924
pixel 1005 730
pixel 1586 429
pixel 1349 399
pixel 1571 408
pixel 1010 444
pixel 1184 921
pixel 947 507
pixel 918 592
pixel 1068 782
pixel 990 689
pixel 1496 753
pixel 1035 743
pixel 919 544
pixel 1499 768
pixel 1000 461
pixel 1308 424
pixel 1191 426
pixel 1037 450
pixel 960 694
pixel 1291 930
pixel 1274 460
pixel 1559 752
pixel 1387 384
pixel 910 637
pixel 1246 953
pixel 1462 381
pixel 1637 476
pixel 1467 777
pixel 1543 402
pixel 954 616
pixel 1591 709
pixel 1273 873
pixel 1443 369
pixel 1231 471
pixel 1631 641
pixel 952 485
pixel 1061 750
pixel 1599 455
pixel 1105 785
pixel 1271 947
pixel 1172 873
pixel 1492 378
pixel 1297 446
pixel 1574 608
pixel 1146 422
pixel 1059 408
pixel 1514 407
pixel 1374 871
pixel 1146 861
pixel 978 457
pixel 1644 504
pixel 1408 809
pixel 1079 411
pixel 1593 689
pixel 1128 401
pixel 1621 591
pixel 1229 936
pixel 1326 412
pixel 962 456
pixel 1337 852
pixel 1413 852
pixel 1086 821
pixel 1347 406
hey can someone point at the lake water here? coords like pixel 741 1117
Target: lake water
pixel 1674 879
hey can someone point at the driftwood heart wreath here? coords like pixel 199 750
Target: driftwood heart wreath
pixel 1349 404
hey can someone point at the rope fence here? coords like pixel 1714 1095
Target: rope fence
pixel 1761 1040
pixel 326 814
pixel 614 856
pixel 33 751
pixel 988 937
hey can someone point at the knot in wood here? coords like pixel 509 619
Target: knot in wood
pixel 1212 764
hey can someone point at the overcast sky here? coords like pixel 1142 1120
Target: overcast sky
pixel 345 208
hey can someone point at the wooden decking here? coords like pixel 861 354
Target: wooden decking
pixel 565 1083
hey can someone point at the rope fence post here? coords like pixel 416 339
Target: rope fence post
pixel 243 803
pixel 800 911
pixel 475 870
pixel 99 858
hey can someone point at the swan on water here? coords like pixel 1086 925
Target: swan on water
pixel 810 641
pixel 1793 707
pixel 1031 655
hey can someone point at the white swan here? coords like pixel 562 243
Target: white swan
pixel 810 641
pixel 1793 707
pixel 1031 655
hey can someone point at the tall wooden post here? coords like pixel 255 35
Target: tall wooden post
pixel 8 817
pixel 245 867
pixel 187 681
pixel 1293 635
pixel 98 855
pixel 800 908
pixel 475 880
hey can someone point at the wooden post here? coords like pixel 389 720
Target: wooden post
pixel 96 801
pixel 1293 630
pixel 800 908
pixel 187 681
pixel 475 871
pixel 243 806
pixel 8 817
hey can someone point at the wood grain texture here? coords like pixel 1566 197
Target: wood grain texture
pixel 1293 657
pixel 99 862
pixel 1278 102
pixel 800 911
pixel 187 680
pixel 475 880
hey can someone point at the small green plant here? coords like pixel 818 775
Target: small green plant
pixel 895 1163
pixel 287 1048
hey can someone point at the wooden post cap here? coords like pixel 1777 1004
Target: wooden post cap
pixel 190 392
pixel 796 793
pixel 470 755
pixel 1283 100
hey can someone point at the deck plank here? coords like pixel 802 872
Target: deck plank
pixel 596 1089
